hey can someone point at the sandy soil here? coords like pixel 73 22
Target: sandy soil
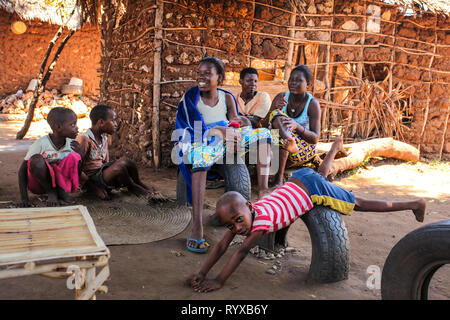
pixel 158 270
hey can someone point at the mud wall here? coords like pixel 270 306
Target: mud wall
pixel 242 34
pixel 22 56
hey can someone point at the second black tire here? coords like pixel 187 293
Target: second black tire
pixel 330 261
pixel 414 260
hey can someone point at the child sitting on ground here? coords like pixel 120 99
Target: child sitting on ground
pixel 52 163
pixel 282 207
pixel 99 175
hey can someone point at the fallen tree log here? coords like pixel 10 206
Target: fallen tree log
pixel 358 152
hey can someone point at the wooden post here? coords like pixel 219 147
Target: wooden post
pixel 156 82
pixel 391 67
pixel 325 122
pixel 427 109
pixel 288 67
pixel 359 70
pixel 444 134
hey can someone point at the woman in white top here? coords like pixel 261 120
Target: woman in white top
pixel 211 109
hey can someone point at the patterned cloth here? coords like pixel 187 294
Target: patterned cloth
pixel 204 156
pixel 281 208
pixel 306 152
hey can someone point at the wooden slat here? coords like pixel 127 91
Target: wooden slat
pixel 47 233
pixel 54 254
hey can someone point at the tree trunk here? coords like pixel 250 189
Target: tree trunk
pixel 358 152
pixel 42 80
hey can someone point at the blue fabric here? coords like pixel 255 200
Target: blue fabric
pixel 187 114
pixel 318 185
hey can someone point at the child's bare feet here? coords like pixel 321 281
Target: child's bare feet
pixel 138 190
pixel 64 196
pixel 52 200
pixel 419 211
pixel 100 192
pixel 340 146
pixel 290 145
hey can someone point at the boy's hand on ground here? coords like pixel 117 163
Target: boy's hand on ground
pixel 208 286
pixel 195 280
pixel 24 204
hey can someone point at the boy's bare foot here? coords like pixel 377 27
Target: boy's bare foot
pixel 52 200
pixel 100 192
pixel 138 190
pixel 64 196
pixel 419 212
pixel 290 145
pixel 340 146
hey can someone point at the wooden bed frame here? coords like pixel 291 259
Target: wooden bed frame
pixel 59 242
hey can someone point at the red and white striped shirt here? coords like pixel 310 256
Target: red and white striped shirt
pixel 282 207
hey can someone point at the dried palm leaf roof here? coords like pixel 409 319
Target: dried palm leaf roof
pixel 54 11
pixel 434 6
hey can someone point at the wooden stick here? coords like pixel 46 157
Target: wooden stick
pixel 288 66
pixel 315 70
pixel 89 291
pixel 40 269
pixel 156 87
pixel 391 67
pixel 429 90
pixel 327 74
pixel 444 133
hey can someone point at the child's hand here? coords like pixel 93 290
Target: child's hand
pixel 280 102
pixel 208 286
pixel 76 146
pixel 24 204
pixel 290 123
pixel 195 280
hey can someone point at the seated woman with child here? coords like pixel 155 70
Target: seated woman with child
pixel 207 125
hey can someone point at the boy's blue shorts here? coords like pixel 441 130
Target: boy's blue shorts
pixel 325 193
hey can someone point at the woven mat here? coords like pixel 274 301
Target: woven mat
pixel 136 223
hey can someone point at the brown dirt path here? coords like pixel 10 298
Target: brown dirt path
pixel 157 270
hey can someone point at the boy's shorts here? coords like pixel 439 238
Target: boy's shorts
pixel 97 177
pixel 325 193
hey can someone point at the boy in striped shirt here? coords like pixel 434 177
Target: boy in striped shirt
pixel 282 207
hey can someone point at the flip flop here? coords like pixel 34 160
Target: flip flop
pixel 198 242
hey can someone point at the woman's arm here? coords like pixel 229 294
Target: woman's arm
pixel 277 103
pixel 231 107
pixel 313 134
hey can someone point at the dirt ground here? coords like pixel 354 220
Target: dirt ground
pixel 157 270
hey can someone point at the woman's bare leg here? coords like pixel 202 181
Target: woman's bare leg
pixel 263 167
pixel 198 195
pixel 279 176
